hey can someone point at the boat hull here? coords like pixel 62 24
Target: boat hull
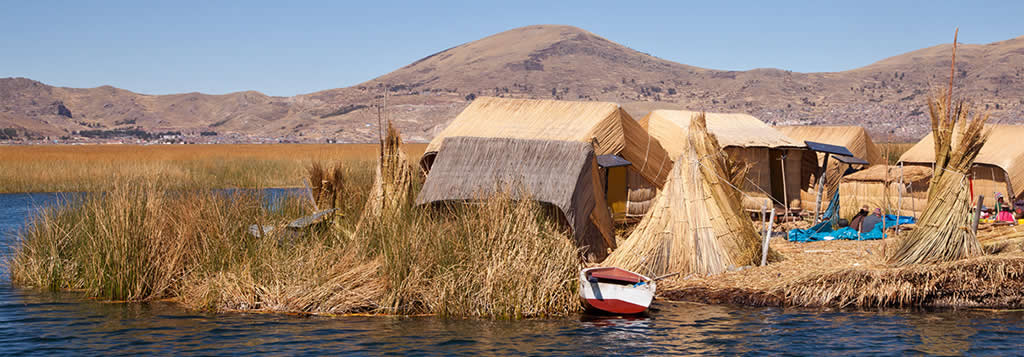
pixel 616 297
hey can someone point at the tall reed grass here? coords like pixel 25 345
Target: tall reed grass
pixel 81 168
pixel 145 240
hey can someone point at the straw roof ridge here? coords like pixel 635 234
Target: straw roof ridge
pixel 604 125
pixel 731 129
pixel 855 138
pixel 877 173
pixel 1003 149
pixel 539 119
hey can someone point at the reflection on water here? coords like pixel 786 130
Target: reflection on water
pixel 942 336
pixel 33 322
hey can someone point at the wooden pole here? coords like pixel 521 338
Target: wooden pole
pixel 977 216
pixel 899 201
pixel 785 189
pixel 766 240
pixel 764 214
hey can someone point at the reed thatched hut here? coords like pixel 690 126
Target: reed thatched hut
pixel 775 160
pixel 563 174
pixel 854 138
pixel 999 166
pixel 606 126
pixel 903 189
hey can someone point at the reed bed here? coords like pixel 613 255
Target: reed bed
pixel 854 274
pixel 144 240
pixel 81 168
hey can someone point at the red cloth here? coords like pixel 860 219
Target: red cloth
pixel 1005 216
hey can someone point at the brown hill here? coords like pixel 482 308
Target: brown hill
pixel 546 61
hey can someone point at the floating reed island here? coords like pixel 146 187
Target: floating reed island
pixel 375 254
pixel 515 196
pixel 945 259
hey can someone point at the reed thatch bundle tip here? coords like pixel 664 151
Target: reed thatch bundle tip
pixel 697 225
pixel 944 231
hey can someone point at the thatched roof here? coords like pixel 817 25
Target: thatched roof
pixel 696 225
pixel 1003 149
pixel 561 173
pixel 877 173
pixel 854 138
pixel 605 125
pixel 731 129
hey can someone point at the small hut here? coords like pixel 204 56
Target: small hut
pixel 605 126
pixel 854 138
pixel 999 167
pixel 895 188
pixel 563 174
pixel 774 159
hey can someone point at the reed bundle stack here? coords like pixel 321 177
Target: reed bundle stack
pixel 392 184
pixel 944 230
pixel 325 184
pixel 697 224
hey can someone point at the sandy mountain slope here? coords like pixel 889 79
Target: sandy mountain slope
pixel 546 61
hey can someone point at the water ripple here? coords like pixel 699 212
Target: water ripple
pixel 36 323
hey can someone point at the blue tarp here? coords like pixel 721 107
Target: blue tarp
pixel 824 231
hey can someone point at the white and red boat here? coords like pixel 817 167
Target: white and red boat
pixel 616 291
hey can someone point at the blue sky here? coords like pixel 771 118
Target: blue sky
pixel 295 47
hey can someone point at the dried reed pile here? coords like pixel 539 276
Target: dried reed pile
pixel 854 274
pixel 697 225
pixel 943 232
pixel 325 184
pixel 393 181
pixel 983 281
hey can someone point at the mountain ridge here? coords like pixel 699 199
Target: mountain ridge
pixel 543 61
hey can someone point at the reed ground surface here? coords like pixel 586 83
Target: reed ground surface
pixel 856 274
pixel 83 168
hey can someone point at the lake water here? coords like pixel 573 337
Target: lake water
pixel 33 322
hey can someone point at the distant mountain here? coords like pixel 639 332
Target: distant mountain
pixel 547 61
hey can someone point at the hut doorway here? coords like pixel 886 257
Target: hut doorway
pixel 775 158
pixel 616 186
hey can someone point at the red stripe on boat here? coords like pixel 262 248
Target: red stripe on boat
pixel 616 306
pixel 617 274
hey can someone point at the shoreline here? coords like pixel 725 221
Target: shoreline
pixel 854 274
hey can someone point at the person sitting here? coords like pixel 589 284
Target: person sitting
pixel 868 223
pixel 855 221
pixel 1003 212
